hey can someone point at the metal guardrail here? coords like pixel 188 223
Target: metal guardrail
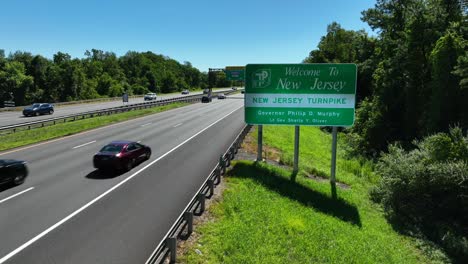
pixel 106 111
pixel 183 226
pixel 105 99
pixel 95 100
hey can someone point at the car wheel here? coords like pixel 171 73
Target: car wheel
pixel 51 112
pixel 37 113
pixel 130 164
pixel 19 179
pixel 148 155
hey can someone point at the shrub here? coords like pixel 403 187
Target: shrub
pixel 427 188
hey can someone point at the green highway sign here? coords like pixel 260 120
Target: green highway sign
pixel 300 94
pixel 235 73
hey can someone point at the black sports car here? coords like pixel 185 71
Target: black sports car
pixel 13 171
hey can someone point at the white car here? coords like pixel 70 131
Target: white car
pixel 150 96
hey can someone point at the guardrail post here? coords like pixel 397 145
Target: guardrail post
pixel 211 186
pixel 172 245
pixel 233 152
pixel 228 160
pixel 188 216
pixel 237 145
pixel 222 164
pixel 201 199
pixel 217 175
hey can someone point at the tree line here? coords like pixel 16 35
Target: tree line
pixel 412 76
pixel 412 113
pixel 34 78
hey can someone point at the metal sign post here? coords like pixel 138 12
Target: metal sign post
pixel 260 142
pixel 333 156
pixel 296 149
pixel 333 162
pixel 212 76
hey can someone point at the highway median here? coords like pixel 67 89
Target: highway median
pixel 28 137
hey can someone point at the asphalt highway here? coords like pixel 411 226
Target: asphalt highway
pixel 16 117
pixel 67 212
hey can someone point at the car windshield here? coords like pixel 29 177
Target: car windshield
pixel 36 105
pixel 112 148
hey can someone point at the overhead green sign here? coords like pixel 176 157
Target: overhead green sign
pixel 235 73
pixel 300 94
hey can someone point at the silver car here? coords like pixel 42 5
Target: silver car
pixel 150 96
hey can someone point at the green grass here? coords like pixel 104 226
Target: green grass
pixel 27 137
pixel 315 154
pixel 264 217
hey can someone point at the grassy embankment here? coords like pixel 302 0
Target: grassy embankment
pixel 27 137
pixel 264 217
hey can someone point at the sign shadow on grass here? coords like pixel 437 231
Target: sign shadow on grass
pixel 328 205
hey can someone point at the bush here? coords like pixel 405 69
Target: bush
pixel 427 188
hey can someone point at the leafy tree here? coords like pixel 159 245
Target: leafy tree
pixel 38 71
pixel 168 83
pixel 415 92
pixel 461 70
pixel 13 79
pixel 100 73
pixel 348 46
pixel 425 190
pixel 446 103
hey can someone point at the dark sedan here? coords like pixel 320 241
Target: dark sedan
pixel 206 99
pixel 13 171
pixel 121 155
pixel 38 109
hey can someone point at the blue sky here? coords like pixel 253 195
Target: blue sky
pixel 209 34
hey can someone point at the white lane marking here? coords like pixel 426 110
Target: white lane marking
pixel 14 195
pixel 183 211
pixel 80 133
pixel 146 124
pixel 59 223
pixel 82 145
pixel 178 125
